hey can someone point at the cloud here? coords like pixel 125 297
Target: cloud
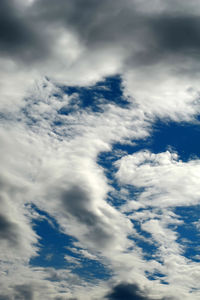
pixel 126 291
pixel 122 21
pixel 163 176
pixel 165 185
pixel 129 292
pixel 8 231
pixel 19 38
pixel 25 282
pixel 76 199
pixel 24 292
pixel 178 33
pixel 76 43
pixel 18 239
pixel 76 203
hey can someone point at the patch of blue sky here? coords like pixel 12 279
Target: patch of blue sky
pixel 52 242
pixel 183 138
pixel 188 232
pixel 106 161
pixel 92 270
pixel 94 97
pixel 144 241
pixel 157 276
pixel 55 245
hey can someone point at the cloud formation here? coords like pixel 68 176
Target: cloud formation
pixel 130 292
pixel 164 178
pixel 78 43
pixel 51 143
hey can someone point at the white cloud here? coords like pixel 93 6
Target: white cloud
pixel 58 172
pixel 167 181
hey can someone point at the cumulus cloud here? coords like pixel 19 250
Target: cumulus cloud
pixel 164 178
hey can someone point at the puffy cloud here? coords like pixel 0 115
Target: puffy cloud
pixel 164 178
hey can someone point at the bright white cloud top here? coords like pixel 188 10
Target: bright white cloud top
pixel 99 135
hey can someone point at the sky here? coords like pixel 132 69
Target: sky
pixel 99 150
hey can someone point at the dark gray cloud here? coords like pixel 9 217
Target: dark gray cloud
pixel 99 25
pixel 5 297
pixel 77 203
pixel 94 21
pixel 24 292
pixel 8 231
pixel 177 33
pixel 127 291
pixel 102 23
pixel 18 35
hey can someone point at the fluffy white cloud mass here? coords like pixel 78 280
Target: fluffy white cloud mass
pixel 52 138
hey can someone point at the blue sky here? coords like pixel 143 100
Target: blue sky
pixel 100 139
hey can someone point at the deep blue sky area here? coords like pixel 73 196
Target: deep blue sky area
pixel 183 138
pixel 188 234
pixel 106 91
pixel 54 245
